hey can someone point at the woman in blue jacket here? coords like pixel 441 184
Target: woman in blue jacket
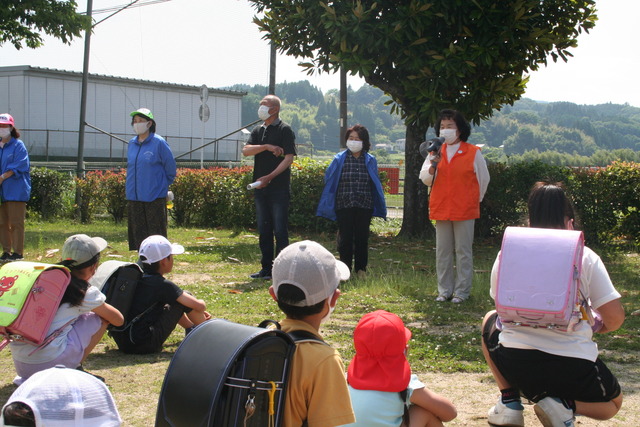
pixel 352 195
pixel 15 189
pixel 151 168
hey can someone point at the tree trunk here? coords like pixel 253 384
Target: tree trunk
pixel 415 220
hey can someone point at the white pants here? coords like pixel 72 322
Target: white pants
pixel 454 236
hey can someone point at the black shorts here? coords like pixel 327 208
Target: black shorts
pixel 538 374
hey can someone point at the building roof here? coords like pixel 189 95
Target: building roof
pixel 27 69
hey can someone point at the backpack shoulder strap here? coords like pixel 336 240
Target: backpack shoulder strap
pixel 403 396
pixel 301 336
pixel 298 336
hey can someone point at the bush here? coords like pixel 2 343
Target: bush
pixel 49 191
pixel 505 202
pixel 113 194
pixel 607 201
pixel 189 189
pixel 91 195
pixel 229 203
pixel 307 182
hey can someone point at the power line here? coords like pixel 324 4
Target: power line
pixel 136 3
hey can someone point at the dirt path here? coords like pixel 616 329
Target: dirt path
pixel 474 394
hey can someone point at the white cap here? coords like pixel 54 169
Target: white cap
pixel 311 268
pixel 62 397
pixel 156 248
pixel 80 248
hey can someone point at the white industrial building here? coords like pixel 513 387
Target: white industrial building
pixel 45 104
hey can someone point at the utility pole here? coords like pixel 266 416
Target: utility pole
pixel 83 109
pixel 272 70
pixel 343 107
pixel 83 94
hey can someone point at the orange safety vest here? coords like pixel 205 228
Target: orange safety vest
pixel 455 195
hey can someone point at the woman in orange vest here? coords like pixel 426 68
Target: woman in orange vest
pixel 458 176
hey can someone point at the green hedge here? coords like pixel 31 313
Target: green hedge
pixel 52 193
pixel 219 197
pixel 607 200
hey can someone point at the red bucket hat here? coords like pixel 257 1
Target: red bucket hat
pixel 380 363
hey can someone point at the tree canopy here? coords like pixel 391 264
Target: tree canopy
pixel 22 22
pixel 470 55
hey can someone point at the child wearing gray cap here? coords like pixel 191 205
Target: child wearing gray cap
pixel 305 286
pixel 81 319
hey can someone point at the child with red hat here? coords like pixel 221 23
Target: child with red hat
pixel 381 382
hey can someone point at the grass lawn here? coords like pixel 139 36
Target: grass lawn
pixel 401 279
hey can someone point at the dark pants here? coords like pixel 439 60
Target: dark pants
pixel 353 236
pixel 146 219
pixel 272 209
pixel 151 331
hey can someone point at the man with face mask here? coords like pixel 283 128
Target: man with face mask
pixel 151 168
pixel 458 177
pixel 273 145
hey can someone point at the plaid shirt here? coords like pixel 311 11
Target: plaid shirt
pixel 355 188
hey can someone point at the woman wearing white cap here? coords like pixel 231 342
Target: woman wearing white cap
pixel 15 189
pixel 81 319
pixel 151 168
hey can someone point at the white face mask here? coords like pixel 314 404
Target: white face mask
pixel 5 133
pixel 141 128
pixel 328 316
pixel 449 135
pixel 263 112
pixel 354 146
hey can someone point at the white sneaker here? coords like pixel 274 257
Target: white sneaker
pixel 502 415
pixel 552 413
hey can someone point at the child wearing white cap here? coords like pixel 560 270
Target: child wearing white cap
pixel 61 397
pixel 305 285
pixel 162 303
pixel 81 319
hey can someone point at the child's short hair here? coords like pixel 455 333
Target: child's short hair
pixel 288 295
pixel 18 414
pixel 311 275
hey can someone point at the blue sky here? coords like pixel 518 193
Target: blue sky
pixel 215 43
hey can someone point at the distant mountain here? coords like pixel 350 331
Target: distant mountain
pixel 533 126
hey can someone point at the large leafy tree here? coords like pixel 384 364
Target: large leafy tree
pixel 23 21
pixel 471 55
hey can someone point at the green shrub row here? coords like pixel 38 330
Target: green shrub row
pixel 607 200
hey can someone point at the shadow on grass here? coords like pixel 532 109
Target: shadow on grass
pixel 114 358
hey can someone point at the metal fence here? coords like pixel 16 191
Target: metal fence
pixel 60 145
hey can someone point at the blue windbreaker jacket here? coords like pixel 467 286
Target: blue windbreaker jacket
pixel 151 169
pixel 14 157
pixel 327 205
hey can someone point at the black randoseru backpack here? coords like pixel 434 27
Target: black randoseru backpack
pixel 118 280
pixel 227 374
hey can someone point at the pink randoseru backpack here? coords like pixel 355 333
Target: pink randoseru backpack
pixel 539 278
pixel 30 294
